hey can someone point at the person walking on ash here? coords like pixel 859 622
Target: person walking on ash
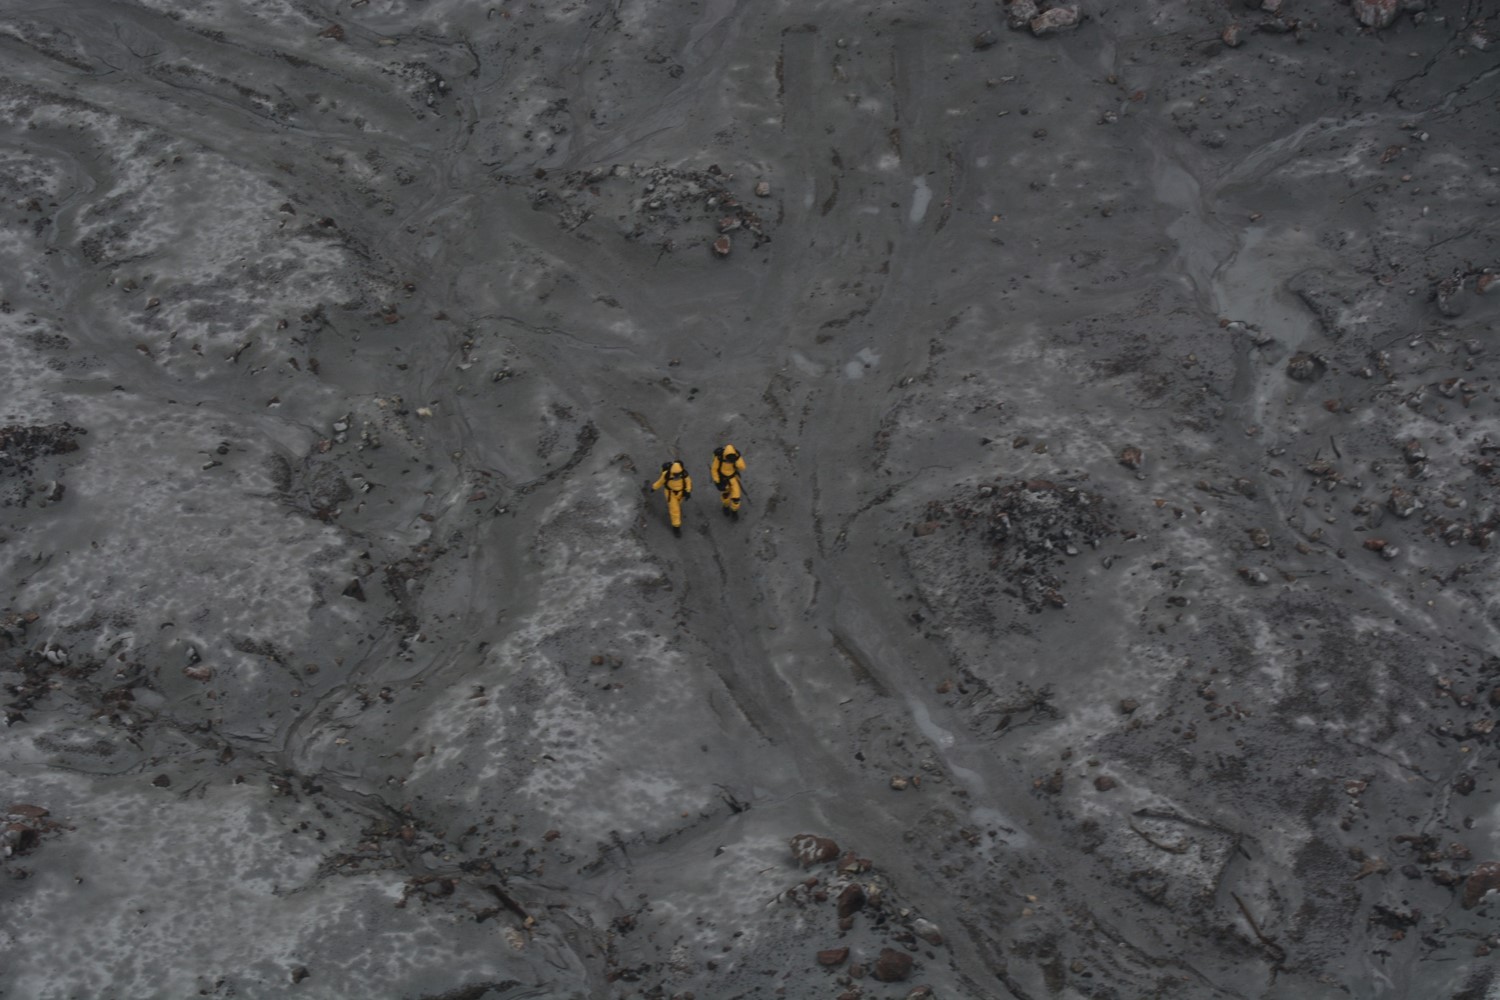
pixel 679 487
pixel 728 464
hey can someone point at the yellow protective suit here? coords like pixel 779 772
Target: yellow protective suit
pixel 727 465
pixel 679 487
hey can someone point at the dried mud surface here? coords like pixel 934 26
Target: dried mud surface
pixel 1113 613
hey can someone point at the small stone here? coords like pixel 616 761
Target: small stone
pixel 810 849
pixel 1055 20
pixel 1018 13
pixel 898 782
pixel 1260 538
pixel 833 956
pixel 355 589
pixel 1230 36
pixel 762 189
pixel 1375 544
pixel 984 40
pixel 199 672
pixel 1254 577
pixel 162 781
pixel 1129 705
pixel 1104 783
pixel 1403 503
pixel 722 246
pixel 1303 367
pixel 925 528
pixel 1375 14
pixel 927 931
pixel 892 966
pixel 300 973
pixel 1132 457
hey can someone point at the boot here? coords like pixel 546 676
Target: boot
pixel 677 530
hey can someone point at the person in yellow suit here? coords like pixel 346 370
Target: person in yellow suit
pixel 679 487
pixel 728 464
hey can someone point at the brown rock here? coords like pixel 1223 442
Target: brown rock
pixel 1230 36
pixel 1131 457
pixel 833 956
pixel 925 528
pixel 1104 783
pixel 1129 705
pixel 892 966
pixel 851 900
pixel 722 246
pixel 29 812
pixel 762 189
pixel 811 849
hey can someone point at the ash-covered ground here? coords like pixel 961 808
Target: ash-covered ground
pixel 1113 613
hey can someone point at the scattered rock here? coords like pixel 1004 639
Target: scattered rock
pixel 1484 878
pixel 984 40
pixel 925 528
pixel 1260 538
pixel 851 900
pixel 1254 577
pixel 300 973
pixel 1104 783
pixel 1304 367
pixel 899 782
pixel 892 966
pixel 1018 13
pixel 833 956
pixel 1230 36
pixel 1132 457
pixel 355 590
pixel 927 931
pixel 1054 20
pixel 1403 503
pixel 762 189
pixel 162 781
pixel 1129 705
pixel 811 849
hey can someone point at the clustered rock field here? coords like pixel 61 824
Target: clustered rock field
pixel 1113 612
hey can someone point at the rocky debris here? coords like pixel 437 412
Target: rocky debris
pixel 1403 503
pixel 1380 14
pixel 13 624
pixel 660 205
pixel 21 828
pixel 1132 457
pixel 1230 36
pixel 22 444
pixel 1305 367
pixel 1054 20
pixel 722 246
pixel 851 900
pixel 1104 783
pixel 892 966
pixel 1026 528
pixel 984 40
pixel 1018 13
pixel 1259 537
pixel 810 849
pixel 1481 880
pixel 927 931
pixel 833 956
pixel 899 782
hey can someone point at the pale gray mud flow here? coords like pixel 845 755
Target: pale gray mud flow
pixel 1114 605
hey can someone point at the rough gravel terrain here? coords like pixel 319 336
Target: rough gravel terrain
pixel 1113 613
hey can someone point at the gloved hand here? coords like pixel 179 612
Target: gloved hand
pixel 688 495
pixel 645 486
